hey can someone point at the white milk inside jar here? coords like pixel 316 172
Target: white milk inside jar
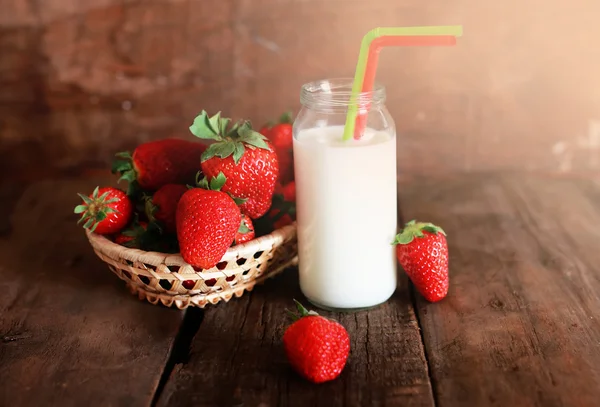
pixel 346 197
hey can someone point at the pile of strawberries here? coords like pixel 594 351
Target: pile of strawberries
pixel 199 197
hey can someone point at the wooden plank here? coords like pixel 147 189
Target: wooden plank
pixel 237 356
pixel 520 326
pixel 70 333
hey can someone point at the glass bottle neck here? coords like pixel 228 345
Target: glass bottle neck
pixel 336 95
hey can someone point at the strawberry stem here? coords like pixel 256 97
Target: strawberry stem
pixel 94 209
pixel 415 229
pixel 229 140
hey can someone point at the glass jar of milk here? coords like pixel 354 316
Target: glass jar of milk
pixel 346 198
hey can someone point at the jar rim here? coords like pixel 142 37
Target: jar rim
pixel 337 92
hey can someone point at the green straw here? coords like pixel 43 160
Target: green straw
pixel 359 76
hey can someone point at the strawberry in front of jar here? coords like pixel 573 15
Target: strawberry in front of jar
pixel 281 137
pixel 283 207
pixel 244 156
pixel 316 347
pixel 157 163
pixel 106 211
pixel 289 191
pixel 207 224
pixel 422 252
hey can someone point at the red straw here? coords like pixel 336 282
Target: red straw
pixel 386 41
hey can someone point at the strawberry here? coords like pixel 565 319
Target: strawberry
pixel 163 205
pixel 282 139
pixel 106 211
pixel 289 192
pixel 316 347
pixel 207 223
pixel 244 156
pixel 280 133
pixel 157 163
pixel 280 220
pixel 283 211
pixel 422 251
pixel 130 236
pixel 246 231
pixel 281 136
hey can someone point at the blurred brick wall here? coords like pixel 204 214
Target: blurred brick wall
pixel 81 79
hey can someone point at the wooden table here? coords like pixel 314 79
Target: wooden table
pixel 520 326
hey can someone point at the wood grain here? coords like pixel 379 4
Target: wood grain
pixel 520 325
pixel 237 356
pixel 70 333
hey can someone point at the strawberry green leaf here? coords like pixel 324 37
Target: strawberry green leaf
pixel 201 182
pixel 303 311
pixel 128 176
pixel 414 230
pixel 100 216
pixel 238 201
pixel 89 223
pixel 239 152
pixel 223 124
pixel 286 117
pixel 244 228
pixel 80 208
pixel 86 199
pixel 203 128
pixel 125 155
pixel 220 149
pixel 233 130
pixel 403 238
pixel 253 138
pixel 216 183
pixel 150 209
pixel 215 123
pixel 120 166
pixel 95 193
pixel 431 228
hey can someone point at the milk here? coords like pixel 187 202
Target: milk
pixel 347 217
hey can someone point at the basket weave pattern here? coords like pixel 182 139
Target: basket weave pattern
pixel 159 277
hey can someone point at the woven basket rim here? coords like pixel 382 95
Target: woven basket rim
pixel 116 250
pixel 144 272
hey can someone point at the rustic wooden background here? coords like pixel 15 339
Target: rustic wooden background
pixel 81 79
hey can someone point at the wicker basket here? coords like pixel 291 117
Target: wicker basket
pixel 159 278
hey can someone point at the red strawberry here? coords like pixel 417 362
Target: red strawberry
pixel 285 158
pixel 265 130
pixel 245 232
pixel 281 137
pixel 163 205
pixel 207 223
pixel 245 157
pixel 422 251
pixel 105 211
pixel 157 163
pixel 130 236
pixel 316 347
pixel 189 284
pixel 289 192
pixel 282 212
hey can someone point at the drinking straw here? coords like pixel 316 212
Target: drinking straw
pixel 371 45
